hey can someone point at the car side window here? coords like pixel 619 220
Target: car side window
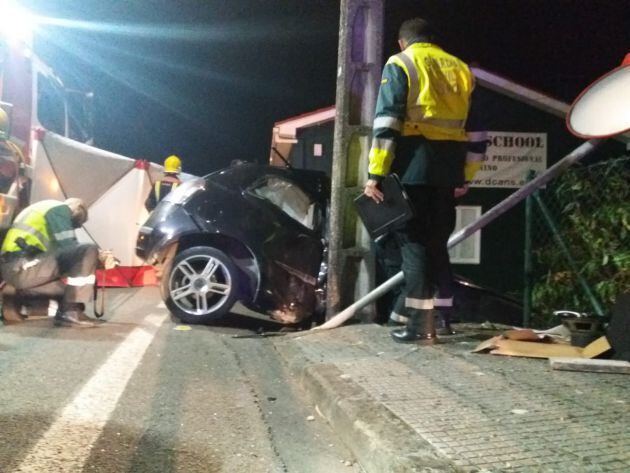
pixel 289 198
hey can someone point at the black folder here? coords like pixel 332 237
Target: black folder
pixel 392 213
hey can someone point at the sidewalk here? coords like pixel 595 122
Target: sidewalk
pixel 406 408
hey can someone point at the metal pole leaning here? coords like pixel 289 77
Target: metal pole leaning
pixel 576 155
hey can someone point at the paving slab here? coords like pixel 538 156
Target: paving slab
pixel 411 408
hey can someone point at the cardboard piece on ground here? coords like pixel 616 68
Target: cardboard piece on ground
pixel 487 345
pixel 585 364
pixel 502 346
pixel 534 349
pixel 596 348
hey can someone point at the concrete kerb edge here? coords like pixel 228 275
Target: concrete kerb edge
pixel 381 441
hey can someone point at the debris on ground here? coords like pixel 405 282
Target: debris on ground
pixel 586 364
pixel 540 344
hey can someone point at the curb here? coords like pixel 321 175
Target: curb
pixel 380 441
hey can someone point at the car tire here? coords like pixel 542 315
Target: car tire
pixel 201 286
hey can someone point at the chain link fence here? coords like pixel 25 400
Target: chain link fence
pixel 580 241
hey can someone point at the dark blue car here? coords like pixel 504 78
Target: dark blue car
pixel 248 233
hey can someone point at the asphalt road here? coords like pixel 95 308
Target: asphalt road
pixel 142 394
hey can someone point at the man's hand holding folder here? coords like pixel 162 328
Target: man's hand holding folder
pixel 373 191
pixel 384 206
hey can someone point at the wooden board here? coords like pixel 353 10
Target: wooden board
pixel 587 364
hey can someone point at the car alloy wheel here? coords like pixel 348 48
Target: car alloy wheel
pixel 201 284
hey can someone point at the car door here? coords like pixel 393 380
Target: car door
pixel 292 249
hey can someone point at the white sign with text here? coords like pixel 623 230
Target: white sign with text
pixel 509 157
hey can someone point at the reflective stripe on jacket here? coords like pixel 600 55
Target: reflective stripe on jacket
pixel 43 225
pixel 157 188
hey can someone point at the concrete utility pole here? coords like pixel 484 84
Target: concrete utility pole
pixel 350 261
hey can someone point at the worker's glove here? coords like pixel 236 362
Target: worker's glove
pixel 106 257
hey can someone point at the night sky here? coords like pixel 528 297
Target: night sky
pixel 207 79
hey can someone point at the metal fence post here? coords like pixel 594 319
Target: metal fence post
pixel 528 259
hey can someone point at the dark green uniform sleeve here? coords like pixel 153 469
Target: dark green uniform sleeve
pixel 388 119
pixel 59 226
pixel 392 96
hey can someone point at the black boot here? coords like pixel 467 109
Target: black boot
pixel 406 335
pixel 72 315
pixel 420 328
pixel 443 321
pixel 83 317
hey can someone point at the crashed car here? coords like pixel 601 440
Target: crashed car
pixel 248 233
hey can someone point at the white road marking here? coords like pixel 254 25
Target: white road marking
pixel 66 445
pixel 161 305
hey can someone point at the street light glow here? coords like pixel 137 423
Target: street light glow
pixel 16 23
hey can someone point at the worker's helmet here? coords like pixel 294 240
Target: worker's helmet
pixel 4 125
pixel 173 164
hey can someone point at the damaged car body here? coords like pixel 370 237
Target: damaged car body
pixel 248 233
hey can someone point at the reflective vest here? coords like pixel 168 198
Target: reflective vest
pixel 31 225
pixel 439 92
pixel 157 188
pixel 424 92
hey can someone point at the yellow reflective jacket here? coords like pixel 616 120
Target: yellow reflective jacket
pixel 161 189
pixel 43 225
pixel 429 98
pixel 439 92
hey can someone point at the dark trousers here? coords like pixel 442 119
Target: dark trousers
pixel 440 264
pixel 423 248
pixel 39 275
pixel 388 265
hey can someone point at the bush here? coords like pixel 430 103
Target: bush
pixel 591 207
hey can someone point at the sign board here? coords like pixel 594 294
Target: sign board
pixel 509 157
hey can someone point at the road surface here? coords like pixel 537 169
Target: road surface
pixel 144 394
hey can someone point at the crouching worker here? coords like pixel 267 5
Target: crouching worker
pixel 41 248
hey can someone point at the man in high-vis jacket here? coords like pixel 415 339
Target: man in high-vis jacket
pixel 41 248
pixel 168 183
pixel 419 133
